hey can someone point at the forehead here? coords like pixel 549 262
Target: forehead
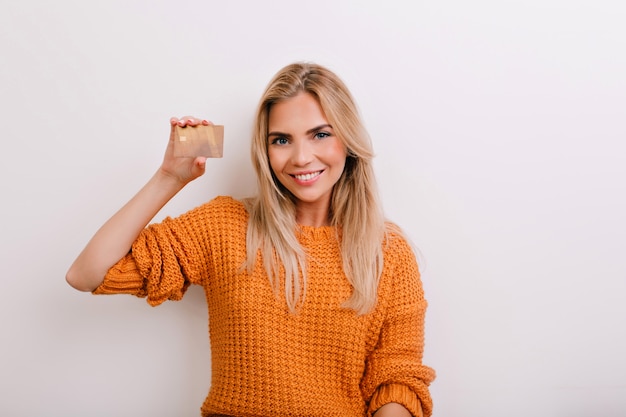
pixel 300 111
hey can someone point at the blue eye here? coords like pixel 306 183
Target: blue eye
pixel 321 135
pixel 280 141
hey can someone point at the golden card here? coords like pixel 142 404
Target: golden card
pixel 193 141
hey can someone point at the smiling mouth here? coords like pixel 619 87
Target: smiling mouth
pixel 307 177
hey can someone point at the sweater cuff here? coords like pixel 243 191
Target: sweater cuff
pixel 396 393
pixel 122 278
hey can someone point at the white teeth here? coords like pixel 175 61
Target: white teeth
pixel 307 177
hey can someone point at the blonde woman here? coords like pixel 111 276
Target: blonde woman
pixel 315 302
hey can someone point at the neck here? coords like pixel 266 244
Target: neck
pixel 312 215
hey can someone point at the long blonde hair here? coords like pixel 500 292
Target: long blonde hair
pixel 355 207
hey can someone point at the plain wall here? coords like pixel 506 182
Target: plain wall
pixel 500 133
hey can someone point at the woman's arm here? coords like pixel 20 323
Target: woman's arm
pixel 392 410
pixel 394 369
pixel 114 239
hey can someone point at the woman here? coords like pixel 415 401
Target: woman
pixel 315 302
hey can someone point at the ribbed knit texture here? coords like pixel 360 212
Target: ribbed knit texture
pixel 322 361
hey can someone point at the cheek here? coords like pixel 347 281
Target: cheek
pixel 337 152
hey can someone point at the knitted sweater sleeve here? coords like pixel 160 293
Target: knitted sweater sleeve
pixel 394 370
pixel 166 257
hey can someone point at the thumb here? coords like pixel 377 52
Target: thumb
pixel 199 165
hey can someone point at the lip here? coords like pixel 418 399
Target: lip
pixel 303 181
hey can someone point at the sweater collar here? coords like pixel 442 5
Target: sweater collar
pixel 321 233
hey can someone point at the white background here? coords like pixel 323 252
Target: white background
pixel 500 133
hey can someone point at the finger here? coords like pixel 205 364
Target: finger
pixel 175 121
pixel 199 165
pixel 190 121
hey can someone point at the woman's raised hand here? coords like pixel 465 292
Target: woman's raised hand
pixel 114 239
pixel 182 169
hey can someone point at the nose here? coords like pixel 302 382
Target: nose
pixel 302 154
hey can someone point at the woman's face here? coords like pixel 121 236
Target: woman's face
pixel 304 153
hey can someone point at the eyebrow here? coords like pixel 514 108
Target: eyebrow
pixel 308 132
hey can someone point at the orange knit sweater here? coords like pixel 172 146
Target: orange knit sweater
pixel 323 360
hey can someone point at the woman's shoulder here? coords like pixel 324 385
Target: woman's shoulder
pixel 225 203
pixel 395 238
pixel 220 209
pixel 397 246
pixel 401 268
